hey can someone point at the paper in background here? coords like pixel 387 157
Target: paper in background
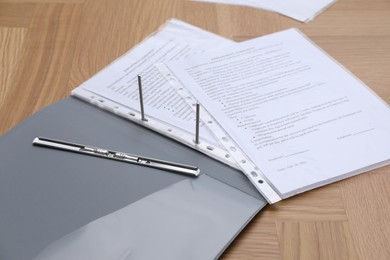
pixel 301 10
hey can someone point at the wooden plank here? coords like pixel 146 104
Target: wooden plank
pixel 259 241
pixel 366 199
pixel 16 15
pixel 109 30
pixel 316 240
pixel 322 204
pixel 44 64
pixel 11 43
pixel 239 21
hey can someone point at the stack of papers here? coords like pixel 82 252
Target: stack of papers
pixel 301 10
pixel 290 109
pixel 277 107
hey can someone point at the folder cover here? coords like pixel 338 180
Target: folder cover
pixel 59 205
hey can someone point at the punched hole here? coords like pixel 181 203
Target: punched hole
pixel 210 148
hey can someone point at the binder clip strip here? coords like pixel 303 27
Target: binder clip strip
pixel 245 164
pixel 170 131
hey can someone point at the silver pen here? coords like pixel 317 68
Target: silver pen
pixel 119 156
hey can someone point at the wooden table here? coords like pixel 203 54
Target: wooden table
pixel 49 47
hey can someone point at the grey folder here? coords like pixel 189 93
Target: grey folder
pixel 60 205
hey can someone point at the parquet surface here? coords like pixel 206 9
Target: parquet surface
pixel 49 47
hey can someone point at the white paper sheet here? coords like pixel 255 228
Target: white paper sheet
pixel 118 81
pixel 299 116
pixel 301 10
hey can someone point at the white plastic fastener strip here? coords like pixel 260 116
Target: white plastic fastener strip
pixel 175 133
pixel 245 164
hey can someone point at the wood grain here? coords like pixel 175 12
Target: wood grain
pixel 316 240
pixel 44 62
pixel 11 44
pixel 49 47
